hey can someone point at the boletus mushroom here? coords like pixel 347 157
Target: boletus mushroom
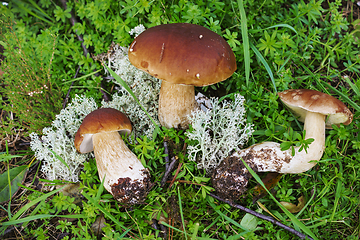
pixel 183 55
pixel 317 110
pixel 125 177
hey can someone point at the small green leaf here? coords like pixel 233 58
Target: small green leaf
pixel 249 222
pixel 201 179
pixel 285 146
pixel 17 175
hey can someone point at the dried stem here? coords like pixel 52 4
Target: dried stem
pixel 168 171
pixel 68 92
pixel 259 215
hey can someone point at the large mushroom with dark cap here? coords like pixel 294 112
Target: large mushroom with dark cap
pixel 317 110
pixel 183 55
pixel 125 177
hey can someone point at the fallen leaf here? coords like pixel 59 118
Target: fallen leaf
pixel 97 226
pixel 294 208
pixel 73 190
pixel 270 181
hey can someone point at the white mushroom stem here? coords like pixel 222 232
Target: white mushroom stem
pixel 176 102
pixel 117 163
pixel 268 157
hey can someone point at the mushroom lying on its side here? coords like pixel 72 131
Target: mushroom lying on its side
pixel 183 55
pixel 125 177
pixel 317 110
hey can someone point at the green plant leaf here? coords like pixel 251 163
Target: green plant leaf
pixel 249 221
pixel 245 38
pixel 17 176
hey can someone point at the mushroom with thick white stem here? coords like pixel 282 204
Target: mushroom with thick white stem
pixel 125 177
pixel 183 55
pixel 317 110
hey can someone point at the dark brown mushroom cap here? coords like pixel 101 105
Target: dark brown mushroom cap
pixel 183 53
pixel 302 100
pixel 100 120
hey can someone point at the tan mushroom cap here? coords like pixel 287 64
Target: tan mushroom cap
pixel 100 120
pixel 183 53
pixel 302 100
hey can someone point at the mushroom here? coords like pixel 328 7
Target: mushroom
pixel 125 177
pixel 317 110
pixel 183 55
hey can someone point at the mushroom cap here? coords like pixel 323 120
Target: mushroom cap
pixel 100 120
pixel 183 53
pixel 302 100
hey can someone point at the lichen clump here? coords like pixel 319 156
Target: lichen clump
pixel 217 132
pixel 57 142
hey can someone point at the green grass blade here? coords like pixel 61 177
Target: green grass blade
pixel 308 202
pixel 40 10
pixel 283 25
pixel 353 86
pixel 227 218
pixel 26 219
pixel 6 157
pixel 20 5
pixel 245 38
pixel 100 190
pixel 181 213
pixel 127 88
pixel 293 219
pixel 338 190
pixel 178 230
pixel 82 77
pixel 266 65
pixel 124 234
pixel 40 216
pixel 28 188
pixel 59 158
pixel 284 64
pixel 32 203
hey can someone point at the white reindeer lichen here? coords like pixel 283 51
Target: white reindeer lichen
pixel 217 132
pixel 59 138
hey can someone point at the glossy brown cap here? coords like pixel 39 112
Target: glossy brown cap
pixel 302 100
pixel 183 53
pixel 100 120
